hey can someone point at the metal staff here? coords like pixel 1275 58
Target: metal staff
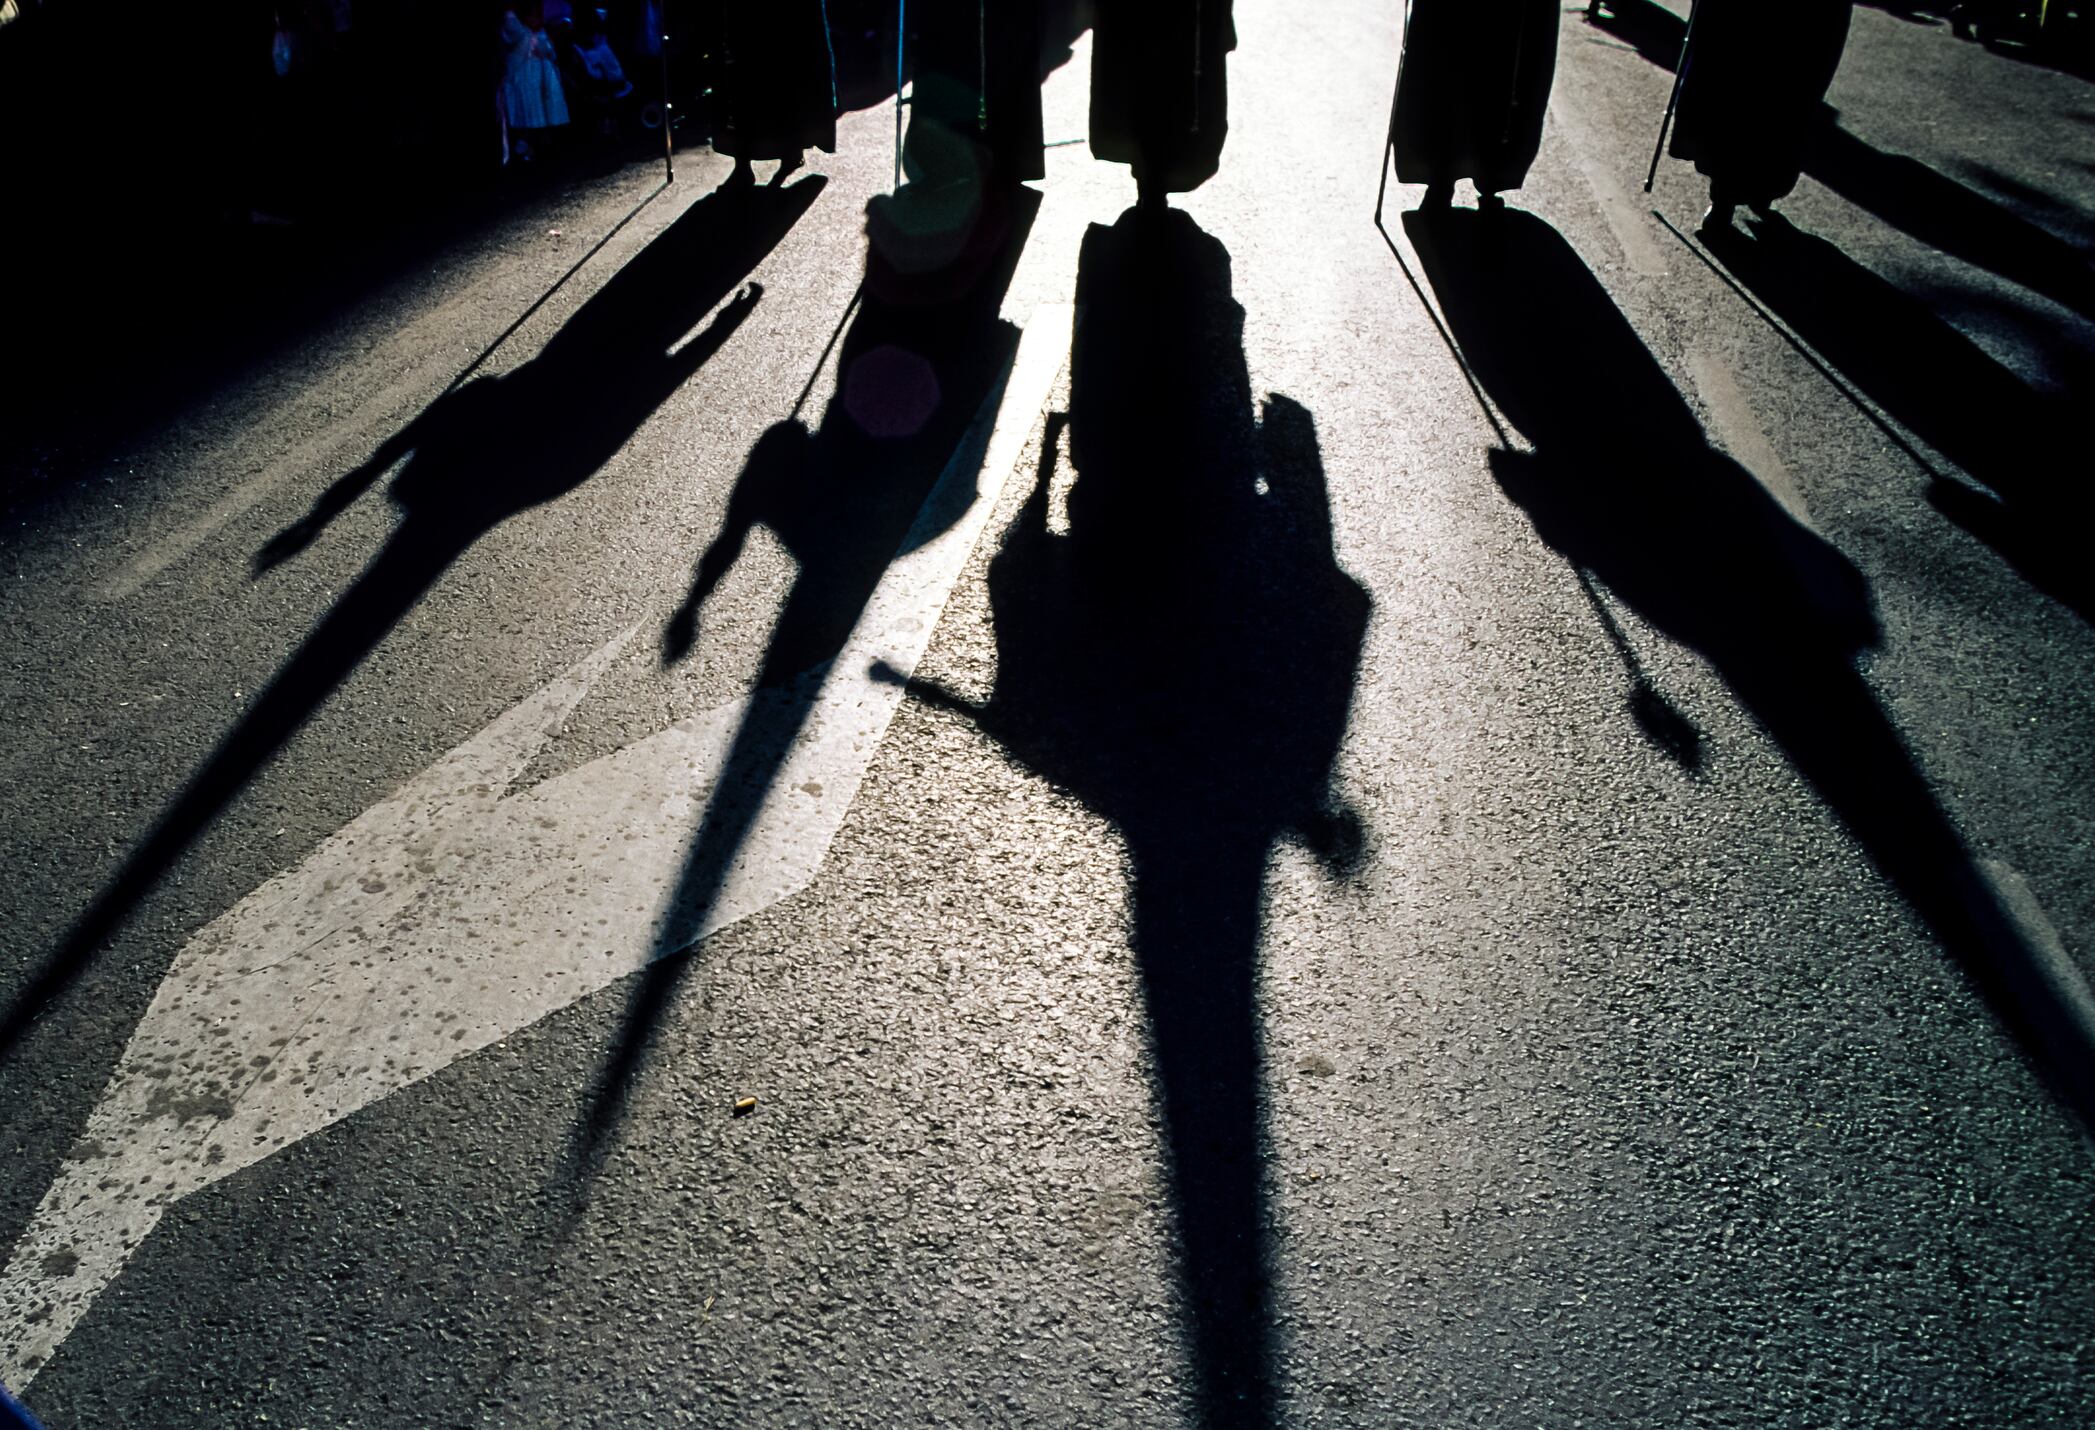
pixel 669 143
pixel 901 37
pixel 1680 74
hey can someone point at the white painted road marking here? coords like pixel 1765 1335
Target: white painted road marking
pixel 455 912
pixel 1627 216
pixel 2057 974
pixel 1741 435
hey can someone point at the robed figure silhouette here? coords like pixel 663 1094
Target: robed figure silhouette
pixel 1160 90
pixel 1471 92
pixel 1753 84
pixel 777 82
pixel 975 110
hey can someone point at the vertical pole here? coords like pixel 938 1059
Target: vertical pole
pixel 1389 134
pixel 669 163
pixel 901 37
pixel 1680 77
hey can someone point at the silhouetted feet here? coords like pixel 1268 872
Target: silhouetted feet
pixel 787 167
pixel 1438 197
pixel 1717 222
pixel 1491 203
pixel 742 176
pixel 1724 201
pixel 1769 222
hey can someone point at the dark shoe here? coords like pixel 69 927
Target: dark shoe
pixel 1717 222
pixel 1439 196
pixel 1491 203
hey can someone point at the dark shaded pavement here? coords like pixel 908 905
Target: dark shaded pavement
pixel 1181 658
pixel 484 452
pixel 1622 483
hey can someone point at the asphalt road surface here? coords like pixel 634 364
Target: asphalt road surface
pixel 1287 822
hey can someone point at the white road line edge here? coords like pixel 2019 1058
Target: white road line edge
pixel 455 913
pixel 1741 435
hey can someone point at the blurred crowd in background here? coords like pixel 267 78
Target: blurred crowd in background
pixel 186 160
pixel 280 111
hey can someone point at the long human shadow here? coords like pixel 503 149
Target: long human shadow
pixel 481 454
pixel 1180 654
pixel 1942 387
pixel 1920 370
pixel 1947 215
pixel 1626 487
pixel 1915 198
pixel 842 500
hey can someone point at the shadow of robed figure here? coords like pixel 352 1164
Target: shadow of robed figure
pixel 479 455
pixel 1624 485
pixel 1944 388
pixel 914 369
pixel 1916 198
pixel 1182 659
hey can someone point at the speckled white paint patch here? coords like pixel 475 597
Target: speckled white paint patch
pixel 458 911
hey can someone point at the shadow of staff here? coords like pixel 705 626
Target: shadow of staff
pixel 842 500
pixel 1944 214
pixel 1945 389
pixel 1182 659
pixel 1623 485
pixel 1898 189
pixel 481 454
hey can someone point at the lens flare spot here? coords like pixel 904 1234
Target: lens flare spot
pixel 890 392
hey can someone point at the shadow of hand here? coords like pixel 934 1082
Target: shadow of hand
pixel 287 543
pixel 1337 837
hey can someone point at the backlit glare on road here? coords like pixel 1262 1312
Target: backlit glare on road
pixel 833 713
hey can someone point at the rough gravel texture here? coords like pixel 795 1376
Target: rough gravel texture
pixel 1595 1086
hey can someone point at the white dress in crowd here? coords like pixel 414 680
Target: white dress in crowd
pixel 531 93
pixel 601 64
